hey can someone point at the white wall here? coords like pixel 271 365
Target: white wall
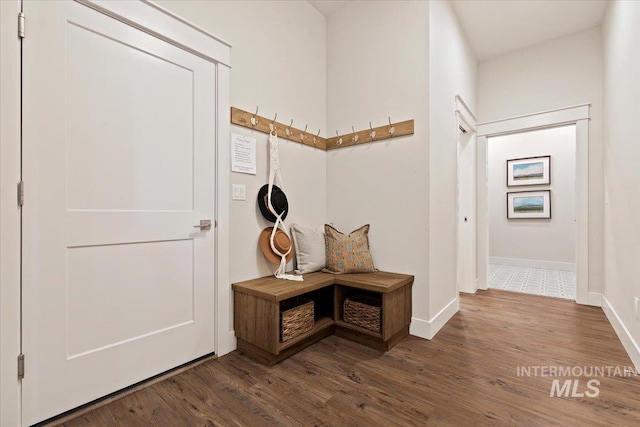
pixel 452 71
pixel 622 174
pixel 377 59
pixel 278 59
pixel 381 56
pixel 560 73
pixel 534 239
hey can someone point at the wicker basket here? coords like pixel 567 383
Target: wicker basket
pixel 296 318
pixel 363 311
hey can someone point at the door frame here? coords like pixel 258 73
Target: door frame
pixel 161 23
pixel 466 119
pixel 578 115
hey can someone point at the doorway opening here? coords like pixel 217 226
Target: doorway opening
pixel 578 118
pixel 532 212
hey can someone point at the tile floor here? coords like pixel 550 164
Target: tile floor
pixel 537 281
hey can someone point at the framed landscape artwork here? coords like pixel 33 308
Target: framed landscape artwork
pixel 529 205
pixel 529 171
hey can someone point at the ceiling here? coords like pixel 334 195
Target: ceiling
pixel 496 27
pixel 327 7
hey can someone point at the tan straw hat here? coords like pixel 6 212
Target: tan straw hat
pixel 281 241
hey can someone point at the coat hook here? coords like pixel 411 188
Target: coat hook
pixel 254 120
pixel 392 128
pixel 373 132
pixel 302 133
pixel 288 130
pixel 339 139
pixel 272 126
pixel 315 138
pixel 355 135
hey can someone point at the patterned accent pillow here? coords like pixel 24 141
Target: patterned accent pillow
pixel 348 254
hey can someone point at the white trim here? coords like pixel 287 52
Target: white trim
pixel 629 344
pixel 225 341
pixel 159 22
pixel 10 405
pixel 554 110
pixel 582 211
pixel 466 107
pixel 534 121
pixel 595 299
pixel 429 328
pixel 465 114
pixel 482 213
pixel 578 115
pixel 534 263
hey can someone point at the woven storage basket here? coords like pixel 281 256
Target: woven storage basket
pixel 296 318
pixel 363 311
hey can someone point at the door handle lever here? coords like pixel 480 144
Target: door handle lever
pixel 205 224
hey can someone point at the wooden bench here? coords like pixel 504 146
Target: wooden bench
pixel 257 307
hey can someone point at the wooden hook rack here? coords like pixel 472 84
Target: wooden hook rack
pixel 243 118
pixel 261 124
pixel 364 136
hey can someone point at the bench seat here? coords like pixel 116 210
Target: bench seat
pixel 257 311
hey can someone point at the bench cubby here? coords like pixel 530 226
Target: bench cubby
pixel 257 306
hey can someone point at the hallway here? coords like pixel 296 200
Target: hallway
pixel 535 281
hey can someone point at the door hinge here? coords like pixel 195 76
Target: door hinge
pixel 20 366
pixel 21 25
pixel 21 193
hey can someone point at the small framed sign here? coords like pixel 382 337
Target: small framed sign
pixel 529 205
pixel 529 171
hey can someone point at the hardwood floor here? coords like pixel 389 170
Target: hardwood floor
pixel 466 376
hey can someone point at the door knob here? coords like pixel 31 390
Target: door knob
pixel 205 224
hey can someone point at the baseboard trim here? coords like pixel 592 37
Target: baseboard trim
pixel 227 344
pixel 595 299
pixel 429 328
pixel 629 344
pixel 534 263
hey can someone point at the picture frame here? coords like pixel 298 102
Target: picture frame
pixel 529 171
pixel 529 204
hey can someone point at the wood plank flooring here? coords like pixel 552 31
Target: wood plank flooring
pixel 465 376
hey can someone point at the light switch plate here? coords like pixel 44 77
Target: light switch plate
pixel 238 192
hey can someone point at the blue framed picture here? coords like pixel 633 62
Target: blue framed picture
pixel 529 171
pixel 529 205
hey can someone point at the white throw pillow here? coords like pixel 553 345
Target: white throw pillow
pixel 310 249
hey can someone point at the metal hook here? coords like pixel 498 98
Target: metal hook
pixel 355 135
pixel 302 133
pixel 288 130
pixel 373 132
pixel 392 128
pixel 339 139
pixel 315 138
pixel 271 125
pixel 254 120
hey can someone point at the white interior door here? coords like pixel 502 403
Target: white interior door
pixel 466 262
pixel 118 165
